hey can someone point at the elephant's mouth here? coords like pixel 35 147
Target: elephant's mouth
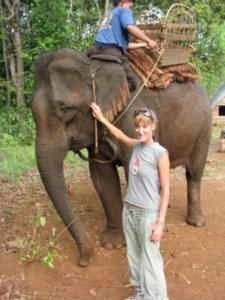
pixel 76 145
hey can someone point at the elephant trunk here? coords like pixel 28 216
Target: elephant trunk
pixel 50 165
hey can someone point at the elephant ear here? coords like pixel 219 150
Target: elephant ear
pixel 110 82
pixel 70 87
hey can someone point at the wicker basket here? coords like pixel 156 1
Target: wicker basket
pixel 175 35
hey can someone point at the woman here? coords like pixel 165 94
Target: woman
pixel 146 203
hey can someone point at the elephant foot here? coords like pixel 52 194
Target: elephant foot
pixel 196 219
pixel 112 240
pixel 85 257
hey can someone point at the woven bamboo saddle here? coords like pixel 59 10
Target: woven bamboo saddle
pixel 174 35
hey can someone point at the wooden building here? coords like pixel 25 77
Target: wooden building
pixel 218 106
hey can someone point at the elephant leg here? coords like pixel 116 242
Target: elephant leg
pixel 194 212
pixel 106 180
pixel 194 171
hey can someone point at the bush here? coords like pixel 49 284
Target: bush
pixel 15 159
pixel 13 129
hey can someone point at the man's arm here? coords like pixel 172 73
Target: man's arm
pixel 137 45
pixel 137 33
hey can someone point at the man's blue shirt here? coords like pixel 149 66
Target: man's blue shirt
pixel 113 29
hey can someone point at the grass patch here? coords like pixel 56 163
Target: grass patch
pixel 216 130
pixel 73 164
pixel 15 160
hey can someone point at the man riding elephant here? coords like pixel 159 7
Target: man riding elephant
pixel 113 37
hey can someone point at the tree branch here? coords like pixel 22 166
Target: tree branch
pixel 11 8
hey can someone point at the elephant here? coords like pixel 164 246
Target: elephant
pixel 66 82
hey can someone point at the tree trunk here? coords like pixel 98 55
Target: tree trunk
pixel 5 57
pixel 98 8
pixel 19 68
pixel 106 7
pixel 70 11
pixel 16 65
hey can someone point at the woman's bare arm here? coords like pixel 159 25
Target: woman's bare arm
pixel 164 173
pixel 164 169
pixel 96 111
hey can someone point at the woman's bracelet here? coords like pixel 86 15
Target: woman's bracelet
pixel 161 222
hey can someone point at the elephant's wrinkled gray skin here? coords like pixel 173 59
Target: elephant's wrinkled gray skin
pixel 61 110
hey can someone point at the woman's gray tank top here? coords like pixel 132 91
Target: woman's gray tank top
pixel 143 181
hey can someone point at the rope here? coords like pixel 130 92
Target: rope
pixel 141 88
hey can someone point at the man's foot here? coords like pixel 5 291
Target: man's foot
pixel 131 85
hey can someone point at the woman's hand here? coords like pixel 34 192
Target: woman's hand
pixel 157 232
pixel 97 113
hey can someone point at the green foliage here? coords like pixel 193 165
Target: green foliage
pixel 58 219
pixel 210 58
pixel 16 142
pixel 216 131
pixel 3 87
pixel 48 27
pixel 6 211
pixel 40 220
pixel 32 249
pixel 13 129
pixel 49 259
pixel 15 159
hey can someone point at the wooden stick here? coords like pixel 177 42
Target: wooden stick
pixel 181 275
pixel 96 124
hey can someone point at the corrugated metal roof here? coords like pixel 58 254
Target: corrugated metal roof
pixel 218 96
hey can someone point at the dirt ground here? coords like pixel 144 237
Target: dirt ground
pixel 194 258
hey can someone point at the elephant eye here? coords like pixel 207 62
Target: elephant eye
pixel 65 109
